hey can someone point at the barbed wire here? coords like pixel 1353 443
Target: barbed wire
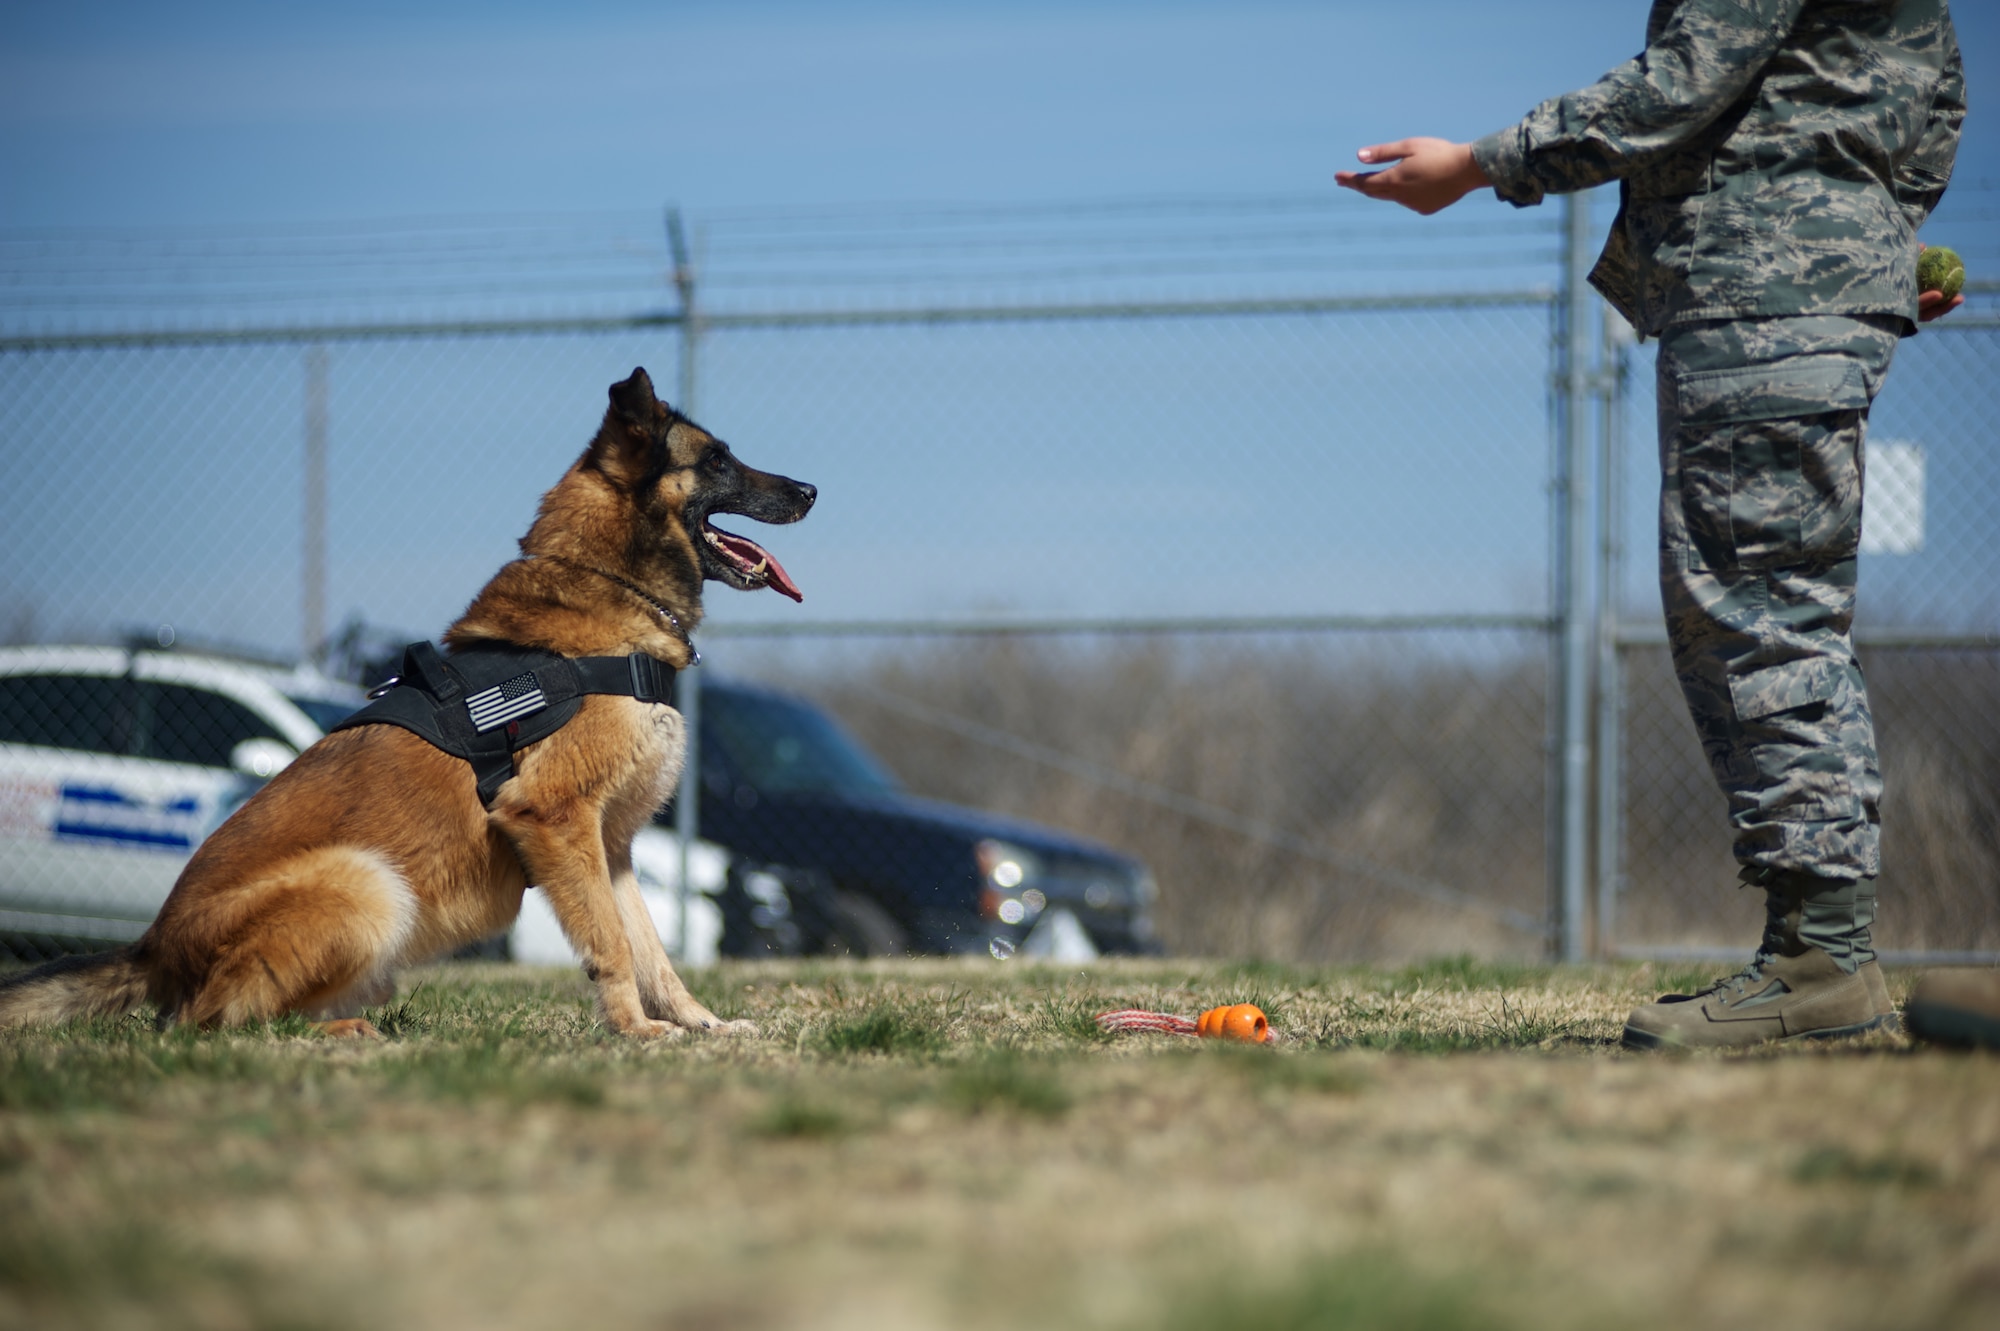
pixel 851 255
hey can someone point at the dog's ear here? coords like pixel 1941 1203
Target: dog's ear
pixel 633 399
pixel 626 449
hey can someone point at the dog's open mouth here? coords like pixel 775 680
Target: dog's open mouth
pixel 751 561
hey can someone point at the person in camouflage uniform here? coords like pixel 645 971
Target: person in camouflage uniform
pixel 1775 159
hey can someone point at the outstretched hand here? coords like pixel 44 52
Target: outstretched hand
pixel 1429 175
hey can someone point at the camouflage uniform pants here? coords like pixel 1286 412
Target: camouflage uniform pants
pixel 1761 430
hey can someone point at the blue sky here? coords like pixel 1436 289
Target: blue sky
pixel 199 112
pixel 243 115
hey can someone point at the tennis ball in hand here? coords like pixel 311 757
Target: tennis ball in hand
pixel 1940 269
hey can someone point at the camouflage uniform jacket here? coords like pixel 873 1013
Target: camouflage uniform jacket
pixel 1775 157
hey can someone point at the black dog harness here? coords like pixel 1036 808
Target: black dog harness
pixel 485 702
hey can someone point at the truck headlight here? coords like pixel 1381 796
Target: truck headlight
pixel 1007 875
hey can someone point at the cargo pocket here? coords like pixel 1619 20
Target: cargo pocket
pixel 1794 386
pixel 1770 463
pixel 1781 688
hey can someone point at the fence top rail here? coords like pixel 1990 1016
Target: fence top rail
pixel 925 628
pixel 1655 635
pixel 1888 956
pixel 704 320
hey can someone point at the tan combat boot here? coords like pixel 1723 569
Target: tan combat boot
pixel 1774 998
pixel 1878 994
pixel 1957 1007
pixel 1795 987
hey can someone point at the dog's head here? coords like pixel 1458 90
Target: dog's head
pixel 678 477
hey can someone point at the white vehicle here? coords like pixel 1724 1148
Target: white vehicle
pixel 114 765
pixel 537 939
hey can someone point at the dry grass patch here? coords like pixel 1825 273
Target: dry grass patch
pixel 929 1144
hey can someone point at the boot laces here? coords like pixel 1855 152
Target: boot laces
pixel 1737 985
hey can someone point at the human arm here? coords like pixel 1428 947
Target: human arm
pixel 1922 176
pixel 1429 174
pixel 1702 60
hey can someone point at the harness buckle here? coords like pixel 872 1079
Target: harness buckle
pixel 382 690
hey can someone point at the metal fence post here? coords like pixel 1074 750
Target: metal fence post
pixel 1610 736
pixel 1573 605
pixel 687 685
pixel 312 599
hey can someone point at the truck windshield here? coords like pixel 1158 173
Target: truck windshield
pixel 784 747
pixel 326 713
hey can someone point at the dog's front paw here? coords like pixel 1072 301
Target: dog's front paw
pixel 646 1028
pixel 350 1028
pixel 705 1022
pixel 717 1026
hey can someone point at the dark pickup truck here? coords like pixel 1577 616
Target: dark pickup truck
pixel 875 870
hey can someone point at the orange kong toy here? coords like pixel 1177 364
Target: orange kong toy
pixel 1243 1022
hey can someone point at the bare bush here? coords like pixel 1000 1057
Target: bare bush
pixel 1939 735
pixel 1297 796
pixel 1294 798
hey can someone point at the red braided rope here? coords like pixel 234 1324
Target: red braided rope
pixel 1157 1023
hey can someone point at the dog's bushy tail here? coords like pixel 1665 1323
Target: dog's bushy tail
pixel 106 984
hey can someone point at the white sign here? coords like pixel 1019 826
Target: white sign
pixel 1892 509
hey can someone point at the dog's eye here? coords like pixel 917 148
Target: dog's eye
pixel 715 460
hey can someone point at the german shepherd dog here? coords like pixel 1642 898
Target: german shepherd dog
pixel 373 849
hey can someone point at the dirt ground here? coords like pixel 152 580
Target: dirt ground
pixel 933 1144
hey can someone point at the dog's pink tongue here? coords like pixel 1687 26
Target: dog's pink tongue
pixel 751 554
pixel 781 581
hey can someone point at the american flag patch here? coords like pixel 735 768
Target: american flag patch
pixel 505 701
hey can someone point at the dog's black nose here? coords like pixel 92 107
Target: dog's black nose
pixel 811 492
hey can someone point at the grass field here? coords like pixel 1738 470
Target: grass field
pixel 926 1144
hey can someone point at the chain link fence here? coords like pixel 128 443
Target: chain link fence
pixel 1171 585
pixel 1928 634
